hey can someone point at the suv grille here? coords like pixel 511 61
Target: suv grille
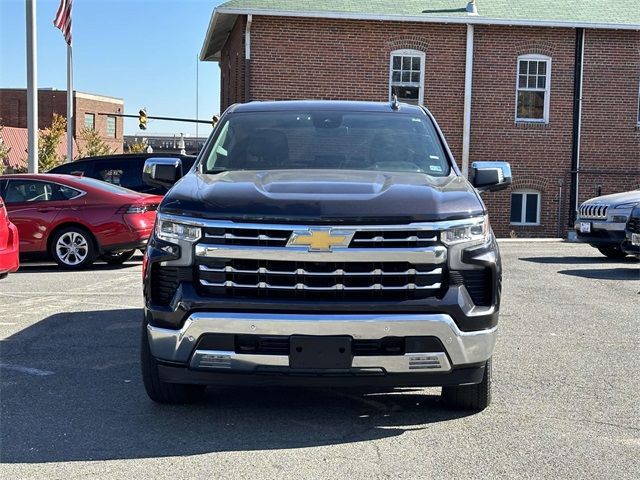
pixel 339 280
pixel 594 210
pixel 634 225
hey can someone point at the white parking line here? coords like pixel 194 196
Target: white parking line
pixel 29 370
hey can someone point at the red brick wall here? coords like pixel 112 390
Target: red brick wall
pixel 540 155
pixel 84 105
pixel 610 136
pixel 232 67
pixel 13 112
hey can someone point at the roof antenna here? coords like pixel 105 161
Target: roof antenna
pixel 472 9
pixel 394 102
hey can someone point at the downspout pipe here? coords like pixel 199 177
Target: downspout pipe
pixel 577 126
pixel 247 59
pixel 468 81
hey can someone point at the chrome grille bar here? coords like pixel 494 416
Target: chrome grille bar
pixel 594 210
pixel 231 236
pixel 419 255
pixel 302 271
pixel 302 286
pixel 379 238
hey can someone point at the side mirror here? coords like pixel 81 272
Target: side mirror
pixel 490 176
pixel 162 172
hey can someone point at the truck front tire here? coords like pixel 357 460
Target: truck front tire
pixel 470 397
pixel 164 392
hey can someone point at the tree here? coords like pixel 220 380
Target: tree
pixel 48 142
pixel 4 153
pixel 137 147
pixel 92 144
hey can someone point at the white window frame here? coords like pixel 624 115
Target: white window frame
pixel 115 126
pixel 93 120
pixel 523 213
pixel 546 90
pixel 413 53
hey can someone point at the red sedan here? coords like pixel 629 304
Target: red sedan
pixel 77 219
pixel 9 260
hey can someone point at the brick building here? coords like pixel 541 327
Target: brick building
pixel 86 107
pixel 551 86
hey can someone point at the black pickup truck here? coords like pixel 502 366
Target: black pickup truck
pixel 322 243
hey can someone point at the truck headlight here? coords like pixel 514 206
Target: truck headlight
pixel 476 231
pixel 171 231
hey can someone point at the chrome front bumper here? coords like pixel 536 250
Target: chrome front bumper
pixel 462 348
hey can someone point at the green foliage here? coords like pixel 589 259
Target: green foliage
pixel 91 144
pixel 48 141
pixel 4 152
pixel 137 147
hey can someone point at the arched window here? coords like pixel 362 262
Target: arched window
pixel 406 76
pixel 525 207
pixel 533 88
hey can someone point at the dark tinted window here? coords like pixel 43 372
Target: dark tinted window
pixel 125 173
pixel 516 208
pixel 347 140
pixel 29 191
pixel 73 168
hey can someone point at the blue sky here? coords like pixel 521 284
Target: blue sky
pixel 143 51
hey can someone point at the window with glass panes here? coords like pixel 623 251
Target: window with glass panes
pixel 111 127
pixel 525 207
pixel 407 76
pixel 89 121
pixel 534 75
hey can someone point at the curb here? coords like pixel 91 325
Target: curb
pixel 533 240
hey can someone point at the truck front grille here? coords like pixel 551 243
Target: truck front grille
pixel 251 237
pixel 340 280
pixel 594 211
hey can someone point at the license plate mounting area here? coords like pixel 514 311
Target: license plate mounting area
pixel 320 352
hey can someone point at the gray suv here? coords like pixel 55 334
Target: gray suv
pixel 601 222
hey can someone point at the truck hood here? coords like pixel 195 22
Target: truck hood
pixel 615 198
pixel 323 196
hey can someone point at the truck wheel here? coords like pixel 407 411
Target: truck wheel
pixel 164 392
pixel 470 397
pixel 117 258
pixel 615 253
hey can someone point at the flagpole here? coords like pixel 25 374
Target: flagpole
pixel 32 88
pixel 70 117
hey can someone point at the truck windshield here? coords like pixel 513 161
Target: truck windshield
pixel 392 142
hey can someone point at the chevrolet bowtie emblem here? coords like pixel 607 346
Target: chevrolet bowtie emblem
pixel 320 239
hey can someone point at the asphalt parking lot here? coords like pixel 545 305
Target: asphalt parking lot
pixel 566 390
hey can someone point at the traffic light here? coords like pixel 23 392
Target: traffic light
pixel 214 121
pixel 142 119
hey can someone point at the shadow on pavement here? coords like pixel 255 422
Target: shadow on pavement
pixel 40 267
pixel 605 273
pixel 71 390
pixel 601 260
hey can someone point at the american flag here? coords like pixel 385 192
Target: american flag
pixel 63 19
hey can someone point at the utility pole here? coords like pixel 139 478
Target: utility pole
pixel 32 88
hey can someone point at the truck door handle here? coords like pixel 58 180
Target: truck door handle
pixel 45 210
